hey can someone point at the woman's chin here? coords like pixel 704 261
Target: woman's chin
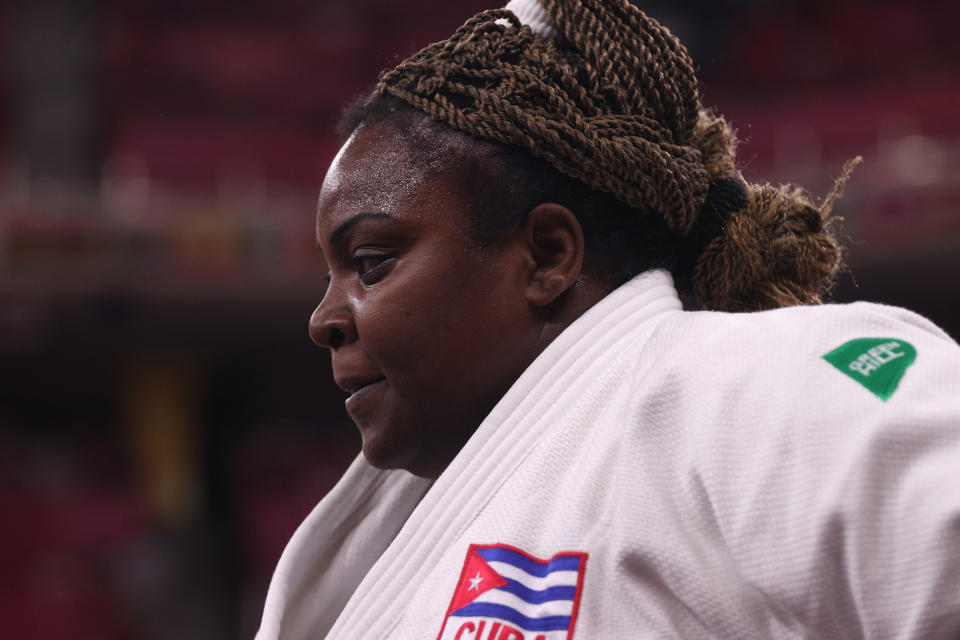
pixel 381 451
pixel 385 455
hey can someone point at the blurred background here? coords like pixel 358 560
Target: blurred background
pixel 165 422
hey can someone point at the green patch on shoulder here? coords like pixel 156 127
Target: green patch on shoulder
pixel 876 363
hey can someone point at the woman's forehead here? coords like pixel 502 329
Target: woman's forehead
pixel 373 155
pixel 382 170
pixel 372 168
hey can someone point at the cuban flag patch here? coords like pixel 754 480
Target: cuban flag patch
pixel 507 594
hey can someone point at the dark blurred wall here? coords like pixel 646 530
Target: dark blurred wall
pixel 52 108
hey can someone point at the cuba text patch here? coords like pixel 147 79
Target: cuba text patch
pixel 506 594
pixel 876 363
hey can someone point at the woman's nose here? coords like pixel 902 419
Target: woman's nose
pixel 332 327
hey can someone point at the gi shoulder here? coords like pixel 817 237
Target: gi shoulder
pixel 820 446
pixel 863 354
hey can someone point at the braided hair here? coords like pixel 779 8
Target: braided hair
pixel 608 117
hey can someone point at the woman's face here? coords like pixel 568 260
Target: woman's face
pixel 427 329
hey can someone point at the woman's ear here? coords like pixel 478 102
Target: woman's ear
pixel 554 239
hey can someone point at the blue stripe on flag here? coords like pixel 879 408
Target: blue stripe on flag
pixel 503 612
pixel 538 597
pixel 534 568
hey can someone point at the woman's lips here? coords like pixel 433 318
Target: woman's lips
pixel 363 395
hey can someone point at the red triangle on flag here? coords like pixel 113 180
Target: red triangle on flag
pixel 477 578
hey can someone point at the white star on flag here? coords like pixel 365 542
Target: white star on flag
pixel 475 582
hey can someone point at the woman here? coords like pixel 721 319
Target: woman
pixel 550 443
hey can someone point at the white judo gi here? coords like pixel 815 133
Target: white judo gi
pixel 657 473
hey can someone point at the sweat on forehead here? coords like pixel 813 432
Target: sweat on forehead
pixel 372 158
pixel 396 171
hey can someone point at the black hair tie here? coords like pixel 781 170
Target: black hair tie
pixel 724 197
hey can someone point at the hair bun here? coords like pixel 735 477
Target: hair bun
pixel 774 252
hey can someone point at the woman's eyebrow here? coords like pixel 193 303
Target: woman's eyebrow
pixel 339 232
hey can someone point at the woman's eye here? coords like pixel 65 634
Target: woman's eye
pixel 370 266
